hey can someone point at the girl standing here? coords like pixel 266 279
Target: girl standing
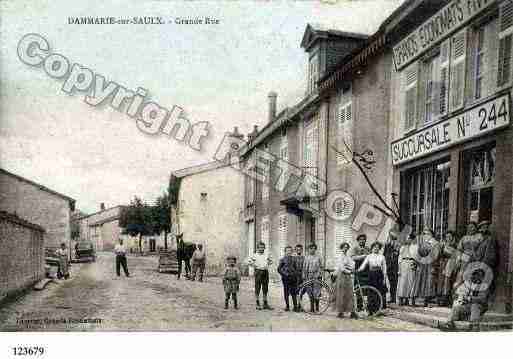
pixel 378 277
pixel 344 286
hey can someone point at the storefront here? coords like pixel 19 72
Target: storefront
pixel 452 156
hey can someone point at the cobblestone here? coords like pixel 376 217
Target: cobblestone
pixel 152 301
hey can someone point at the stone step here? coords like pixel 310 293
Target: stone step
pixel 443 312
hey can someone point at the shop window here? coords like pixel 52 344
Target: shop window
pixel 481 175
pixel 427 193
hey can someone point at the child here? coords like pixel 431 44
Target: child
pixel 288 271
pixel 231 282
pixel 312 269
pixel 261 261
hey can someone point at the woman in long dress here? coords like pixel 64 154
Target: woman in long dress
pixel 466 249
pixel 427 260
pixel 450 268
pixel 378 277
pixel 344 286
pixel 406 271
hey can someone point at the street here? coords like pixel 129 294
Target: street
pixel 95 299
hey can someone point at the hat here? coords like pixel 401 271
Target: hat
pixel 484 223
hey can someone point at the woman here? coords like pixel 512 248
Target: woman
pixel 450 268
pixel 378 277
pixel 344 285
pixel 407 267
pixel 466 249
pixel 427 260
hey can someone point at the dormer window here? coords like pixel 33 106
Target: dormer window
pixel 313 73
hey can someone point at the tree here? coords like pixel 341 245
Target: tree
pixel 161 214
pixel 364 162
pixel 137 219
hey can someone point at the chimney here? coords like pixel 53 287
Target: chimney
pixel 272 105
pixel 253 134
pixel 102 206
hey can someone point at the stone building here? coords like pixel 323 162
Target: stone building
pixel 353 107
pixel 39 205
pixel 102 227
pixel 209 209
pixel 450 120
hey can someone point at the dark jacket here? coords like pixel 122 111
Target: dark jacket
pixel 288 268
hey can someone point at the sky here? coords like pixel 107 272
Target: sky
pixel 220 73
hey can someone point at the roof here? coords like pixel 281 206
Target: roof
pixel 100 211
pixel 39 186
pixel 315 29
pixel 189 171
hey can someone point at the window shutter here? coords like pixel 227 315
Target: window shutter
pixel 505 36
pixel 343 231
pixel 443 91
pixel 340 133
pixel 265 227
pixel 410 89
pixel 348 128
pixel 282 233
pixel 284 155
pixel 457 73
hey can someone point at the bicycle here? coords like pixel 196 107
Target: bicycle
pixel 368 300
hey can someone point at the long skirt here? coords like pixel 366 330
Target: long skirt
pixel 344 293
pixel 406 280
pixel 377 280
pixel 425 286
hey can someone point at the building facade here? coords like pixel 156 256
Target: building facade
pixel 102 227
pixel 209 210
pixel 39 205
pixel 450 120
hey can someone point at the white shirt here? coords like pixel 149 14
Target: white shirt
pixel 375 260
pixel 120 249
pixel 260 261
pixel 345 264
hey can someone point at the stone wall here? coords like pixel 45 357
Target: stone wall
pixel 21 254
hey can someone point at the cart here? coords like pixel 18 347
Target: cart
pixel 168 261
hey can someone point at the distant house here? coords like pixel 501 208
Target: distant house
pixel 38 205
pixel 102 227
pixel 209 209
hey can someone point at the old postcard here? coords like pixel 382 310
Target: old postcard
pixel 275 166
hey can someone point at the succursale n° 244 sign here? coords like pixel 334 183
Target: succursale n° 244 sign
pixel 475 122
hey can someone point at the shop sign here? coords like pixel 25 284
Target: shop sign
pixel 475 122
pixel 449 19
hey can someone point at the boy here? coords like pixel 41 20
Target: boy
pixel 300 260
pixel 288 272
pixel 261 261
pixel 231 281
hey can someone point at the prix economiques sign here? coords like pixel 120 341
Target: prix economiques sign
pixel 446 21
pixel 475 122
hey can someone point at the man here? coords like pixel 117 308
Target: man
pixel 288 272
pixel 471 301
pixel 300 261
pixel 358 254
pixel 261 262
pixel 198 262
pixel 312 269
pixel 180 255
pixel 120 251
pixel 391 253
pixel 62 253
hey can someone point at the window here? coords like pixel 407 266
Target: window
pixel 311 149
pixel 443 95
pixel 266 184
pixel 429 71
pixel 481 177
pixel 265 231
pixel 284 155
pixel 427 193
pixel 344 133
pixel 282 233
pixel 505 35
pixel 479 62
pixel 313 73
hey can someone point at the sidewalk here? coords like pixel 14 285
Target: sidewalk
pixel 436 316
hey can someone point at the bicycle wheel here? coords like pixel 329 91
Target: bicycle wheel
pixel 368 300
pixel 315 290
